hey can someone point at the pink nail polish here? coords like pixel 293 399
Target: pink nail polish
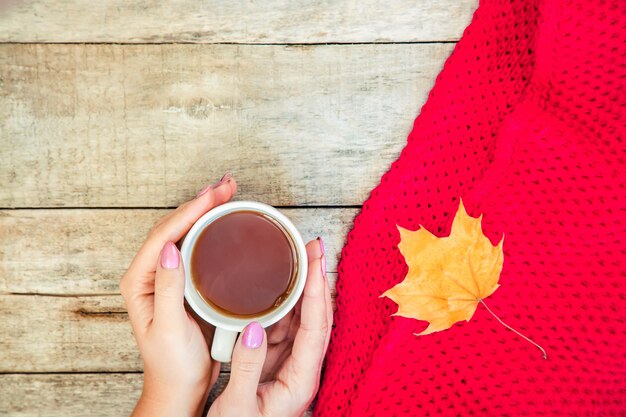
pixel 323 258
pixel 203 191
pixel 252 337
pixel 227 177
pixel 170 257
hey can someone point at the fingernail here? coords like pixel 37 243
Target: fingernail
pixel 252 336
pixel 323 259
pixel 170 257
pixel 203 191
pixel 227 177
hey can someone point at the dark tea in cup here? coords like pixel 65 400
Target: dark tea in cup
pixel 244 261
pixel 244 264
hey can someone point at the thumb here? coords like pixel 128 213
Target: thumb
pixel 169 289
pixel 245 369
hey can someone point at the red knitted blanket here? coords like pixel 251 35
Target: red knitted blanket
pixel 526 125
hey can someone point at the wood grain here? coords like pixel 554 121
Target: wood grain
pixel 69 334
pixel 67 395
pixel 149 125
pixel 211 21
pixel 63 252
pixel 86 252
pixel 66 334
pixel 70 395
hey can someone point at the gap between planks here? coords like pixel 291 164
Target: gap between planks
pixel 279 207
pixel 212 21
pixel 135 125
pixel 295 44
pixel 31 393
pixel 86 251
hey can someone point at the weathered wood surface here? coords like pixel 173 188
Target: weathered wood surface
pixel 66 334
pixel 212 21
pixel 76 395
pixel 69 334
pixel 66 395
pixel 148 125
pixel 85 252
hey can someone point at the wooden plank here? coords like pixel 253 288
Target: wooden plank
pixel 65 252
pixel 69 395
pixel 210 21
pixel 148 125
pixel 66 334
pixel 69 334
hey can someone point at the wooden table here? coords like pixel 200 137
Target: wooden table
pixel 114 112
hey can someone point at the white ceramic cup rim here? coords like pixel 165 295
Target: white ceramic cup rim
pixel 206 311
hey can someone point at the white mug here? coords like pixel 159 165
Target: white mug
pixel 228 327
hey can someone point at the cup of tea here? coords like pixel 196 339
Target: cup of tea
pixel 244 261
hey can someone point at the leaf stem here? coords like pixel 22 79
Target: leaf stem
pixel 545 355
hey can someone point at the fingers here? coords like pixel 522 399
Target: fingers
pixel 215 373
pixel 327 298
pixel 173 226
pixel 279 340
pixel 310 342
pixel 279 331
pixel 329 314
pixel 169 289
pixel 314 249
pixel 208 330
pixel 137 285
pixel 178 222
pixel 247 364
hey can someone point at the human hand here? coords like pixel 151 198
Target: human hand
pixel 178 370
pixel 289 367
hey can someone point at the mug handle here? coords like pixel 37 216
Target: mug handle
pixel 223 344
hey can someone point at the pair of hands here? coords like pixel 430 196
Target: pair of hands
pixel 273 373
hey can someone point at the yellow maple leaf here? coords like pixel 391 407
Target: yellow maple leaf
pixel 449 276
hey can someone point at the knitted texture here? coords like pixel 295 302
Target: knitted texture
pixel 526 125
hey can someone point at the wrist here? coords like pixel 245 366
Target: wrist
pixel 162 400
